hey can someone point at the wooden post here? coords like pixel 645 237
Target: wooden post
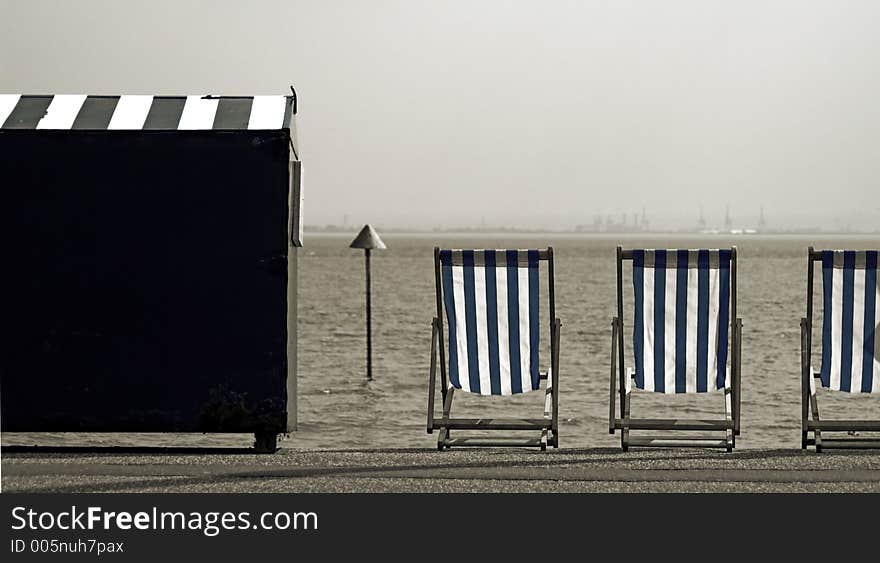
pixel 368 239
pixel 369 321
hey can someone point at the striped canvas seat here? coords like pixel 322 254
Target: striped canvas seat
pixel 491 303
pixel 681 322
pixel 851 321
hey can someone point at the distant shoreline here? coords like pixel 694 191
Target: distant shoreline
pixel 594 235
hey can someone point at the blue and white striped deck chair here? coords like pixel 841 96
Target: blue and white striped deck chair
pixel 685 330
pixel 490 300
pixel 850 344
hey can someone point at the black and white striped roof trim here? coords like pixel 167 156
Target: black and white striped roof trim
pixel 181 113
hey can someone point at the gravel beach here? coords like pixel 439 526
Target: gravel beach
pixel 422 470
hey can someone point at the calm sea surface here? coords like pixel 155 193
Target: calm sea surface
pixel 339 408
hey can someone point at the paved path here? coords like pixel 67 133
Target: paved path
pixel 419 470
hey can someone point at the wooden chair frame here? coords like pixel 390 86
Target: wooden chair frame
pixel 810 421
pixel 730 425
pixel 548 425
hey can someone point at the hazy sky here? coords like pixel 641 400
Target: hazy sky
pixel 537 113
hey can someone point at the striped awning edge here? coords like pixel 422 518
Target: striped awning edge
pixel 140 112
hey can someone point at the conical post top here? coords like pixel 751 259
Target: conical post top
pixel 368 239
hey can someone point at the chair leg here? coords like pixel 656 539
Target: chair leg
pixel 805 384
pixel 554 379
pixel 624 432
pixel 432 374
pixel 817 434
pixel 612 407
pixel 805 434
pixel 554 433
pixel 546 435
pixel 738 397
pixel 805 411
pixel 728 408
pixel 444 425
pixel 814 410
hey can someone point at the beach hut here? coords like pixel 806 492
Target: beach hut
pixel 149 278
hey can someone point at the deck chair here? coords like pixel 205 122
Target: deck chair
pixel 685 312
pixel 490 300
pixel 850 344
